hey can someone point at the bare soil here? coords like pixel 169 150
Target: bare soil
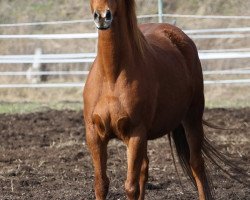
pixel 43 155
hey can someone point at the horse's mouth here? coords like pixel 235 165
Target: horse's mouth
pixel 103 25
pixel 103 28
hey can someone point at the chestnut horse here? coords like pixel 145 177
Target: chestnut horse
pixel 145 83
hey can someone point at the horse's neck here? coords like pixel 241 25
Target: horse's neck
pixel 116 50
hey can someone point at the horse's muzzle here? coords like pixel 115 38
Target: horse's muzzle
pixel 103 19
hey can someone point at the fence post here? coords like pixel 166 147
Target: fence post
pixel 37 59
pixel 36 67
pixel 160 11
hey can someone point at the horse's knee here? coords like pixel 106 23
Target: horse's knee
pixel 101 188
pixel 132 190
pixel 144 166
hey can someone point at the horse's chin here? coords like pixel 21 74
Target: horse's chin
pixel 103 28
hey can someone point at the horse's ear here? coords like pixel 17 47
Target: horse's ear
pixel 123 125
pixel 99 124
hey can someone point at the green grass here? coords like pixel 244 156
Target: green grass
pixel 27 107
pixel 227 103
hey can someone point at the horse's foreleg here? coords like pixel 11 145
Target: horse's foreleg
pixel 137 145
pixel 143 175
pixel 98 150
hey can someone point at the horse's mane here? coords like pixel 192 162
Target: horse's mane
pixel 139 40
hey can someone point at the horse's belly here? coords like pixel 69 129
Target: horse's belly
pixel 171 110
pixel 165 123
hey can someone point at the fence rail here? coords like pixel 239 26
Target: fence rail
pixel 52 36
pixel 227 72
pixel 89 57
pixel 50 73
pixel 81 85
pixel 94 36
pixel 43 85
pixel 48 61
pixel 60 73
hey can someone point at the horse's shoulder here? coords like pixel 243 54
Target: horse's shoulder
pixel 92 85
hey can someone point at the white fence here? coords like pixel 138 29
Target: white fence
pixel 223 33
pixel 192 33
pixel 89 57
pixel 94 36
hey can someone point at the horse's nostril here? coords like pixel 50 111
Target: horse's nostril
pixel 108 15
pixel 96 15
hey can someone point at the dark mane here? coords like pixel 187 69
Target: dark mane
pixel 139 40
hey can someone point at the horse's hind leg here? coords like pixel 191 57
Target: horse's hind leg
pixel 195 135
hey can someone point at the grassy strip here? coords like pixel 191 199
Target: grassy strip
pixel 228 104
pixel 27 107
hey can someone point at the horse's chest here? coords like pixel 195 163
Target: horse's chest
pixel 110 117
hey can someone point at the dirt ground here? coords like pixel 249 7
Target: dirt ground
pixel 43 156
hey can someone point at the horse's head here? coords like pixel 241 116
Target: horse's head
pixel 103 12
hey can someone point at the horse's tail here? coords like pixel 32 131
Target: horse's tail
pixel 210 125
pixel 210 154
pixel 220 160
pixel 183 153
